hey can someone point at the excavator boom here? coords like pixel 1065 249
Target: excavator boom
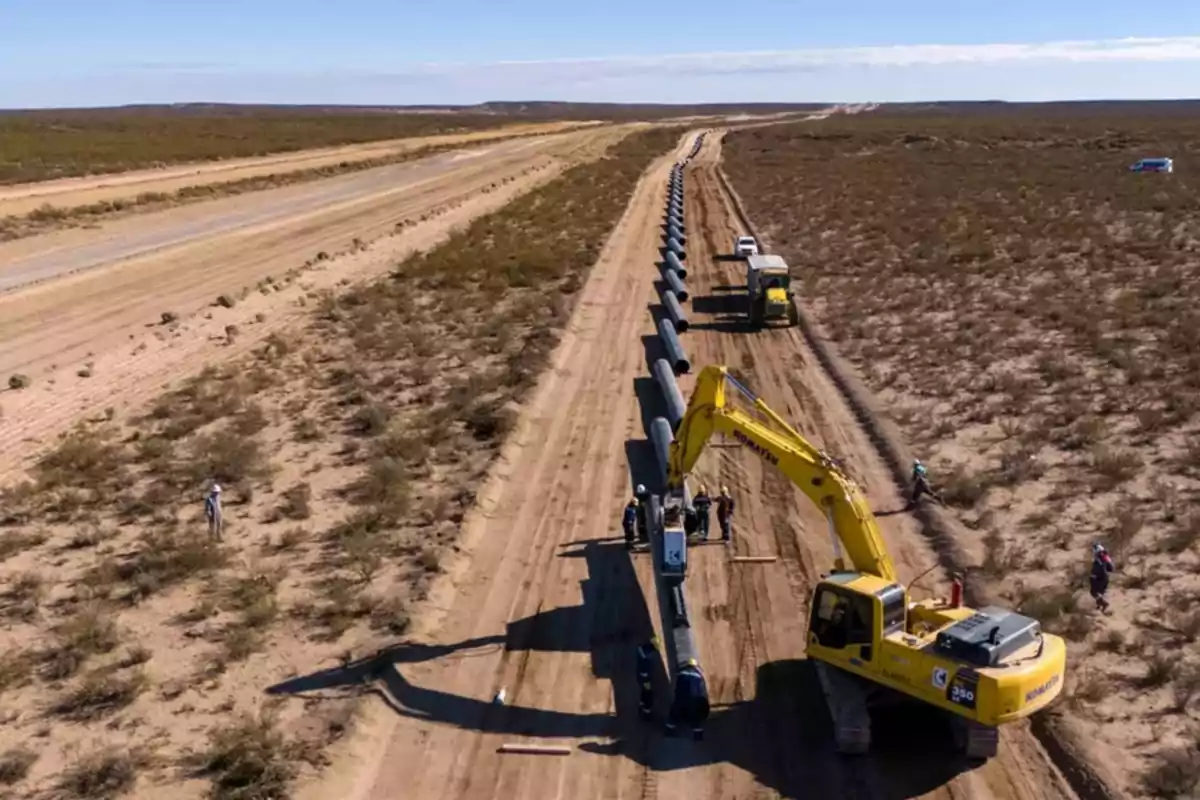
pixel 852 525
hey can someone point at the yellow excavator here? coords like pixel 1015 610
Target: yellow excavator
pixel 868 640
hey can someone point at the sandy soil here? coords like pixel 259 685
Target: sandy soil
pixel 545 602
pixel 70 192
pixel 109 316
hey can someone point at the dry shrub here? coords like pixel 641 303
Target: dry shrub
pixel 101 775
pixel 15 764
pixel 295 502
pixel 227 456
pixel 1175 773
pixel 1092 687
pixel 162 559
pixel 98 695
pixel 385 487
pixel 13 542
pixel 1160 669
pixel 1051 606
pixel 16 668
pixel 248 759
pixel 391 615
pixel 1183 534
pixel 961 487
pixel 1113 466
pixel 1187 622
pixel 1127 523
pixel 90 631
pixel 88 459
pixel 1186 684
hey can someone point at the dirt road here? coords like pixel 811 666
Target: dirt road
pixel 70 192
pixel 546 603
pixel 95 338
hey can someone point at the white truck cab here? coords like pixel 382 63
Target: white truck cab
pixel 745 246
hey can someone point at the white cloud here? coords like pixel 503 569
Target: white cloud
pixel 1115 68
pixel 1181 48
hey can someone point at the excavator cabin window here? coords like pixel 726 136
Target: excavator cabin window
pixel 841 619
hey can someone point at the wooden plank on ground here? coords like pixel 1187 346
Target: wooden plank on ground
pixel 535 749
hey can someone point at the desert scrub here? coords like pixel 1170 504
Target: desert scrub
pixel 39 145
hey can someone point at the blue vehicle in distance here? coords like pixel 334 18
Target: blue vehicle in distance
pixel 1154 165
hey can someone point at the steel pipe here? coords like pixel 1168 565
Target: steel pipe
pixel 673 232
pixel 674 246
pixel 674 275
pixel 675 354
pixel 676 221
pixel 670 302
pixel 662 436
pixel 678 634
pixel 674 209
pixel 669 387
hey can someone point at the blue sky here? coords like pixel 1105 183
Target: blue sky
pixel 71 53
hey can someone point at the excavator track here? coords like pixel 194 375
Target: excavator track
pixel 847 700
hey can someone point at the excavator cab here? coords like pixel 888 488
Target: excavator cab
pixel 841 619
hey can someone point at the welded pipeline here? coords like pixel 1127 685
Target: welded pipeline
pixel 670 302
pixel 673 245
pixel 674 279
pixel 661 435
pixel 680 648
pixel 675 354
pixel 669 387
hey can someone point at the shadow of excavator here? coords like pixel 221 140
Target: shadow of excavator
pixel 782 736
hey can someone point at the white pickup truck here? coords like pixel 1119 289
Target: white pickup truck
pixel 745 246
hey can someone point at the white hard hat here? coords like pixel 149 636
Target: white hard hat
pixel 216 488
pixel 640 489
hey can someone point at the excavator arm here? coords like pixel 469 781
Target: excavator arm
pixel 816 475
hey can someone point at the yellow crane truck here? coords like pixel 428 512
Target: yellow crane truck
pixel 769 290
pixel 868 640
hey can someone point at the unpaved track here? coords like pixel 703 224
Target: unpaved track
pixel 109 315
pixel 348 197
pixel 71 192
pixel 546 603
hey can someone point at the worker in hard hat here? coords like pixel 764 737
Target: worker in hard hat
pixel 1102 565
pixel 703 505
pixel 629 520
pixel 691 705
pixel 212 512
pixel 647 652
pixel 725 507
pixel 921 485
pixel 643 509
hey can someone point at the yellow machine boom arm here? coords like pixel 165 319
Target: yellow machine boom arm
pixel 816 474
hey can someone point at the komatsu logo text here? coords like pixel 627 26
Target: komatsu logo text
pixel 756 447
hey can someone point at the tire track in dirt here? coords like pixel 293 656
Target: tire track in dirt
pixel 545 575
pixel 790 377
